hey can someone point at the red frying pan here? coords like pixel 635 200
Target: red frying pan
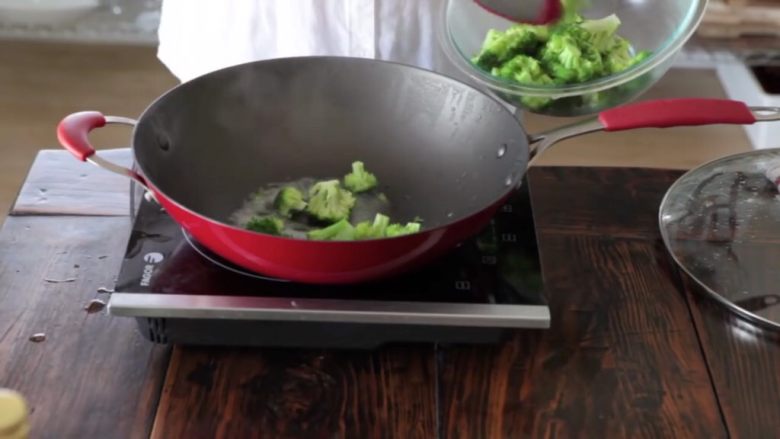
pixel 443 151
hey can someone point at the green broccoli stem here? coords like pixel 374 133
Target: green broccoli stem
pixel 339 231
pixel 359 180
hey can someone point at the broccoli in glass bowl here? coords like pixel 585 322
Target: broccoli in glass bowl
pixel 594 58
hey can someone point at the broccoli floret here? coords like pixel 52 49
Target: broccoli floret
pixel 368 230
pixel 569 61
pixel 328 201
pixel 289 200
pixel 500 47
pixel 600 33
pixel 639 57
pixel 571 11
pixel 399 229
pixel 524 70
pixel 592 63
pixel 596 99
pixel 381 228
pixel 561 49
pixel 338 231
pixel 570 51
pixel 618 57
pixel 488 57
pixel 535 102
pixel 265 224
pixel 359 180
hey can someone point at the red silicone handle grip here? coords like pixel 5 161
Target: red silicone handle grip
pixel 666 113
pixel 73 132
pixel 551 11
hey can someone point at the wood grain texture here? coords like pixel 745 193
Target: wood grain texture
pixel 745 364
pixel 44 81
pixel 298 394
pixel 617 202
pixel 621 359
pixel 60 184
pixel 93 376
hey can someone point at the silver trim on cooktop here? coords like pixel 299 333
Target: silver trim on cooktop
pixel 328 310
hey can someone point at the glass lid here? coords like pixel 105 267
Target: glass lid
pixel 721 224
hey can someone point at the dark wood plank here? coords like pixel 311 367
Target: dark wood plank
pixel 622 358
pixel 744 361
pixel 270 393
pixel 603 201
pixel 93 376
pixel 59 184
pixel 611 285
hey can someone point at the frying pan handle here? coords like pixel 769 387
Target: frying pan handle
pixel 662 113
pixel 73 133
pixel 666 113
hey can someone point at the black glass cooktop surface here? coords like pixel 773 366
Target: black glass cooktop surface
pixel 490 283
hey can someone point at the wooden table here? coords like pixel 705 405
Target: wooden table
pixel 632 352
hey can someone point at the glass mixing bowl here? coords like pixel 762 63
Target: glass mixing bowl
pixel 660 26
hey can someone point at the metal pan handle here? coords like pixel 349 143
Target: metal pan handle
pixel 662 113
pixel 73 134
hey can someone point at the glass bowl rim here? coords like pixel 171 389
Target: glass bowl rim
pixel 668 49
